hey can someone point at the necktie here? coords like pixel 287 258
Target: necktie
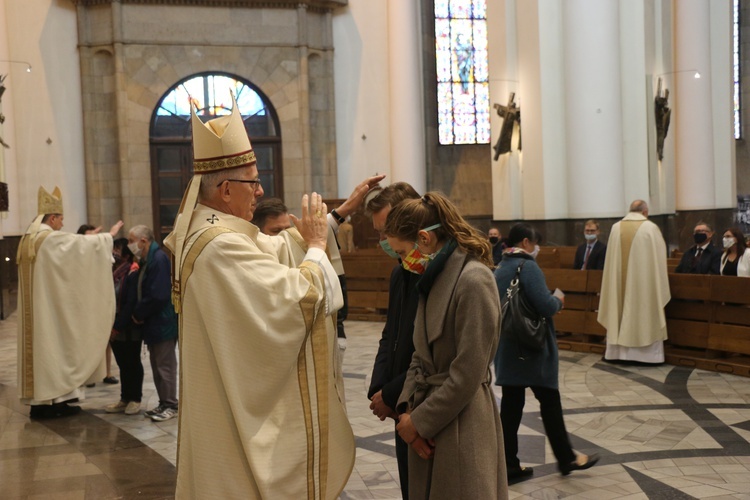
pixel 697 257
pixel 586 258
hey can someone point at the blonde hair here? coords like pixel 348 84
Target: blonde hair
pixel 406 219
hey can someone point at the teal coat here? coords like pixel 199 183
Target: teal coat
pixel 515 365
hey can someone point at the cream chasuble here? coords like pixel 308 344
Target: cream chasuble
pixel 635 287
pixel 66 310
pixel 259 412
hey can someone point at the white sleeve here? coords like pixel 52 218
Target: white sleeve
pixel 332 223
pixel 334 297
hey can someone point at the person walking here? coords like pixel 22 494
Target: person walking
pixel 517 367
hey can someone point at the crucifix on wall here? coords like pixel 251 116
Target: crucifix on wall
pixel 511 114
pixel 662 114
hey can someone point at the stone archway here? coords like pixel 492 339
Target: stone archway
pixel 171 142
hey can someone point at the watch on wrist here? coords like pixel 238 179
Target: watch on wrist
pixel 337 216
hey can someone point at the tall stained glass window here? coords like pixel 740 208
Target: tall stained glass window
pixel 736 67
pixel 462 73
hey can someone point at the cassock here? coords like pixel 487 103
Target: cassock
pixel 260 416
pixel 635 290
pixel 66 311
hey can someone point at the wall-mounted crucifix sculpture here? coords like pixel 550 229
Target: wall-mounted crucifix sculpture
pixel 511 114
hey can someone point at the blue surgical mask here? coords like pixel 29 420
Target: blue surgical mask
pixel 387 249
pixel 535 252
pixel 589 237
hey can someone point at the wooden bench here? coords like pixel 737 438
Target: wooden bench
pixel 708 319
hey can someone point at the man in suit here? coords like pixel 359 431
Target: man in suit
pixel 591 254
pixel 703 257
pixel 396 346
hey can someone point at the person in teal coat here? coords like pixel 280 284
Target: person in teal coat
pixel 517 367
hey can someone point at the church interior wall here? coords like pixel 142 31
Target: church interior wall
pixel 742 146
pixel 461 172
pixel 347 91
pixel 363 92
pixel 43 108
pixel 285 52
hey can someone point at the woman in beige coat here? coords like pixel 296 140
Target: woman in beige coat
pixel 448 412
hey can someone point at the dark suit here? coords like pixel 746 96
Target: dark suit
pixel 394 354
pixel 709 263
pixel 596 257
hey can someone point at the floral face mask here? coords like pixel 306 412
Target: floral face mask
pixel 415 261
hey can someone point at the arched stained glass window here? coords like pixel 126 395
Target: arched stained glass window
pixel 462 71
pixel 171 137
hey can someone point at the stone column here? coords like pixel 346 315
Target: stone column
pixel 691 114
pixel 594 109
pixel 405 77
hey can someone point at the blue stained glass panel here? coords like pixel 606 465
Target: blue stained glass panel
pixel 443 34
pixel 441 9
pixel 480 9
pixel 462 71
pixel 460 9
pixel 217 89
pixel 480 36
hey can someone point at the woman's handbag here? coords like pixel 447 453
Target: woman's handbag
pixel 520 320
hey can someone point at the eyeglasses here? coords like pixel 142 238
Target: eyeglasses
pixel 254 182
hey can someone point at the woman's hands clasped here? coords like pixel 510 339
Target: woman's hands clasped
pixel 425 448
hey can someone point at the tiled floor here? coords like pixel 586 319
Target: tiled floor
pixel 662 432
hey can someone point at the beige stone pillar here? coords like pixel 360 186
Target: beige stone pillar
pixel 691 114
pixel 407 133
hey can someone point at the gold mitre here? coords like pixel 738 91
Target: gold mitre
pixel 221 143
pixel 49 203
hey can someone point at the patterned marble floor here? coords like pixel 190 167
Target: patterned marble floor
pixel 663 432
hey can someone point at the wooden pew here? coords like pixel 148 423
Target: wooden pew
pixel 368 274
pixel 549 257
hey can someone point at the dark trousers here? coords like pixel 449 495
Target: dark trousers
pixel 164 367
pixel 511 411
pixel 402 457
pixel 128 356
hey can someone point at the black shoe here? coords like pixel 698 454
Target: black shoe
pixel 53 411
pixel 593 459
pixel 111 380
pixel 519 472
pixel 92 384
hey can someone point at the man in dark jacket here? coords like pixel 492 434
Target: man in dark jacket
pixel 156 317
pixel 396 345
pixel 704 257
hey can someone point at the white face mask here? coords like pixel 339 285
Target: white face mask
pixel 135 249
pixel 728 242
pixel 589 237
pixel 535 252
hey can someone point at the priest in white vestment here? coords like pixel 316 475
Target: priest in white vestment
pixel 635 289
pixel 66 310
pixel 260 415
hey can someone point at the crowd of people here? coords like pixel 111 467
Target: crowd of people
pixel 257 298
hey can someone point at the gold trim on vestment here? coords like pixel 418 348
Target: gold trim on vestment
pixel 27 251
pixel 628 228
pixel 315 324
pixel 244 159
pixel 307 306
pixel 322 359
pixel 187 269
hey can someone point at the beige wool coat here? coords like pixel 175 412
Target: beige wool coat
pixel 448 386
